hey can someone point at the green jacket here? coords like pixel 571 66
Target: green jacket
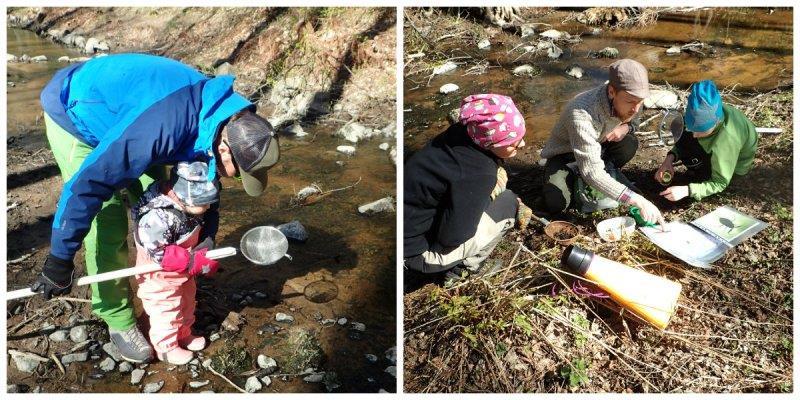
pixel 732 147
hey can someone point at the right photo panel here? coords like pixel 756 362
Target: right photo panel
pixel 598 200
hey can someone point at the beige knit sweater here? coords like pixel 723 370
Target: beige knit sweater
pixel 583 123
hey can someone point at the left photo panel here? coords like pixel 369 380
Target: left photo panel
pixel 201 200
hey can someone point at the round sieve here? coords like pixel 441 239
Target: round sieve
pixel 264 245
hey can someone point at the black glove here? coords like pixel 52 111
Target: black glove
pixel 56 277
pixel 207 243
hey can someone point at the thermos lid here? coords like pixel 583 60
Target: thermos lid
pixel 576 259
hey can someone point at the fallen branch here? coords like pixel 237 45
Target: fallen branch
pixel 210 368
pixel 58 363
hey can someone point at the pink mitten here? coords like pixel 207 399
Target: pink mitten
pixel 176 259
pixel 202 264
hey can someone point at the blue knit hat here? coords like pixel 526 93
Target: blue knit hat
pixel 704 107
pixel 190 183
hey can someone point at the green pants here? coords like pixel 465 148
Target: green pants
pixel 105 245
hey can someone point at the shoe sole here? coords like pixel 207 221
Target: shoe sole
pixel 136 361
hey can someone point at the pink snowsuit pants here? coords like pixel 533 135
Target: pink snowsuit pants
pixel 168 299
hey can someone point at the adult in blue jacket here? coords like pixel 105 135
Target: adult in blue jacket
pixel 114 123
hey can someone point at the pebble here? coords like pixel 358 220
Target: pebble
pixel 327 322
pixel 125 367
pixel 575 72
pixel 153 387
pixel 268 364
pixel 384 146
pixel 346 150
pixel 198 384
pixel 136 376
pixel 78 333
pixel 260 295
pixel 315 377
pixel 484 44
pixel 342 321
pixel 377 206
pixel 112 350
pixel 391 370
pixel 526 69
pixel 371 358
pixel 359 326
pixel 214 337
pixel 554 51
pixel 391 354
pixel 448 88
pixel 63 59
pixel 281 317
pixel 195 374
pixel 252 385
pixel 108 364
pixel 59 335
pixel 266 380
pixel 75 357
pixel 294 230
pixel 269 328
pixel 445 68
pixel 26 362
pixel 232 322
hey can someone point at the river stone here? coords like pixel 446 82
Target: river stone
pixel 108 364
pixel 266 380
pixel 112 350
pixel 674 50
pixel 75 357
pixel 448 88
pixel 346 150
pixel 198 384
pixel 445 68
pixel 315 377
pixel 342 321
pixel 125 367
pixel 575 72
pixel 371 358
pixel 553 34
pixel 63 59
pixel 294 231
pixel 268 364
pixel 59 335
pixel 78 333
pixel 554 51
pixel 391 354
pixel 358 326
pixel 384 146
pixel 79 41
pixel 355 132
pixel 153 387
pixel 484 44
pixel 296 130
pixel 377 206
pixel 41 58
pixel 26 362
pixel 136 376
pixel 282 317
pixel 11 58
pixel 252 385
pixel 25 58
pixel 214 337
pixel 662 99
pixel 526 69
pixel 391 370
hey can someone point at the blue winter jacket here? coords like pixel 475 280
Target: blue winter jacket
pixel 136 111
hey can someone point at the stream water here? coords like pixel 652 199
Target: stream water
pixel 753 52
pixel 345 269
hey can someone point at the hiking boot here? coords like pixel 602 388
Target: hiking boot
pixel 176 356
pixel 461 272
pixel 132 345
pixel 194 343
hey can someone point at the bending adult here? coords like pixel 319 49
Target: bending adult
pixel 114 123
pixel 456 206
pixel 715 142
pixel 594 130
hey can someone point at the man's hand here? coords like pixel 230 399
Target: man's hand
pixel 675 193
pixel 666 167
pixel 650 213
pixel 56 277
pixel 617 133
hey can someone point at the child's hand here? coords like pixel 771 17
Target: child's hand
pixel 178 259
pixel 202 264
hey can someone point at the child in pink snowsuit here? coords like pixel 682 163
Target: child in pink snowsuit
pixel 169 218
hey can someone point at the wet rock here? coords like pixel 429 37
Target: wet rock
pixel 198 384
pixel 378 206
pixel 252 385
pixel 268 364
pixel 294 231
pixel 125 367
pixel 78 333
pixel 153 387
pixel 64 59
pixel 346 150
pixel 269 328
pixel 214 337
pixel 296 130
pixel 108 364
pixel 136 376
pixel 285 318
pixel 266 380
pixel 94 45
pixel 445 68
pixel 674 50
pixel 608 52
pixel 355 132
pixel 26 362
pixel 523 70
pixel 59 335
pixel 575 72
pixel 24 58
pixel 448 88
pixel 232 322
pixel 75 357
pixel 112 350
pixel 41 58
pixel 391 354
pixel 554 51
pixel 342 321
pixel 11 58
pixel 384 146
pixel 662 99
pixel 484 44
pixel 391 370
pixel 358 326
pixel 371 358
pixel 554 34
pixel 316 377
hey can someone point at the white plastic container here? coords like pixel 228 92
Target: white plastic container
pixel 614 229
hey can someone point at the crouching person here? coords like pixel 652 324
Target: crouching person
pixel 715 142
pixel 456 207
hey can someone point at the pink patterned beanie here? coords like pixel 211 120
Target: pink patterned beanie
pixel 492 120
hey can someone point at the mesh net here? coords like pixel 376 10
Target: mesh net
pixel 264 245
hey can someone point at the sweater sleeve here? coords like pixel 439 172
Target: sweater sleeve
pixel 584 140
pixel 724 156
pixel 467 200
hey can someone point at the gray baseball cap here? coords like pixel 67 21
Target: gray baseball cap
pixel 630 76
pixel 254 146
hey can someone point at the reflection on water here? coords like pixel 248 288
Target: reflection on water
pixel 752 52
